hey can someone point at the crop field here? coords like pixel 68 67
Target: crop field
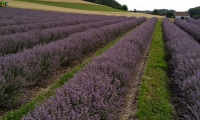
pixel 184 66
pixel 36 44
pixel 28 4
pixel 197 22
pixel 56 65
pixel 191 28
pixel 72 1
pixel 179 94
pixel 73 5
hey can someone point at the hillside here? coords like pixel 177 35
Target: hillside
pixel 74 5
pixel 71 1
pixel 27 5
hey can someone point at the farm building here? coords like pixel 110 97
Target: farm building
pixel 182 15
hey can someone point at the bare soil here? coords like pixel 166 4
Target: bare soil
pixel 130 108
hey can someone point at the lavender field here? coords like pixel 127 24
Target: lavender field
pixel 35 44
pixel 27 40
pixel 189 27
pixel 185 68
pixel 197 22
pixel 97 92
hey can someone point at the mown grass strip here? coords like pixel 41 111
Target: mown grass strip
pixel 79 6
pixel 154 96
pixel 18 114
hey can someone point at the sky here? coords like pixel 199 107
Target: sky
pixel 177 5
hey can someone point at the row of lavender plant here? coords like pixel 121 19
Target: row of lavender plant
pixel 189 27
pixel 26 19
pixel 51 24
pixel 11 13
pixel 21 20
pixel 21 41
pixel 18 13
pixel 185 69
pixel 33 19
pixel 33 16
pixel 29 67
pixel 98 91
pixel 26 14
pixel 192 20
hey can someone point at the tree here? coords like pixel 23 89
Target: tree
pixel 196 16
pixel 170 14
pixel 155 12
pixel 194 11
pixel 110 3
pixel 124 7
pixel 135 10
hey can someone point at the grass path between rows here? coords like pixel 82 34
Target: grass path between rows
pixel 79 6
pixel 154 97
pixel 18 114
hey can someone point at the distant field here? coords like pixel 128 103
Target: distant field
pixel 74 5
pixel 35 6
pixel 71 1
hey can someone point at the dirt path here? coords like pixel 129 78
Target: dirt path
pixel 130 109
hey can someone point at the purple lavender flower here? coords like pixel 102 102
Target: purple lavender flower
pixel 97 91
pixel 185 68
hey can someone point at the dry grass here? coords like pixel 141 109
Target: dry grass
pixel 17 4
pixel 70 1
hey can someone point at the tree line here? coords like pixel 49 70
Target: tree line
pixel 164 12
pixel 195 12
pixel 110 3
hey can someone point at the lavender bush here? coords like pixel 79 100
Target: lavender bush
pixel 11 16
pixel 20 41
pixel 185 68
pixel 197 22
pixel 98 91
pixel 51 24
pixel 28 67
pixel 30 18
pixel 190 28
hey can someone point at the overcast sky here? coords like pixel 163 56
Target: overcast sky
pixel 178 5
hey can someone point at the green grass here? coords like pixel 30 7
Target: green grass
pixel 18 114
pixel 75 5
pixel 154 96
